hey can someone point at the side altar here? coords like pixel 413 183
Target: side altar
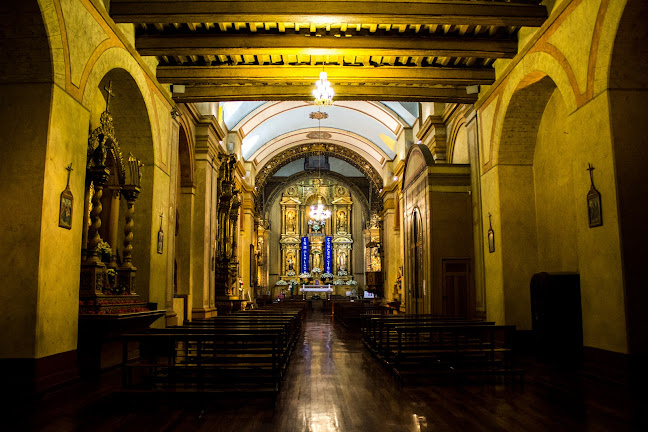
pixel 108 302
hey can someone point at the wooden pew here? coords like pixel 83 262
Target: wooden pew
pixel 349 313
pixel 379 334
pixel 468 350
pixel 177 361
pixel 245 351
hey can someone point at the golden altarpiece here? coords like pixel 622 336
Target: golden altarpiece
pixel 316 249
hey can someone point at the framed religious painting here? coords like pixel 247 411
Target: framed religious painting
pixel 65 209
pixel 491 236
pixel 594 210
pixel 594 213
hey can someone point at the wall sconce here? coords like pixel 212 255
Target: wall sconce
pixel 175 113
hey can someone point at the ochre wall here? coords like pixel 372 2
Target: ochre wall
pixel 556 200
pixel 60 252
pixel 48 130
pixel 540 205
pixel 22 164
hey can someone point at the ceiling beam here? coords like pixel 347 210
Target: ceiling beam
pixel 303 92
pixel 328 12
pixel 284 44
pixel 336 74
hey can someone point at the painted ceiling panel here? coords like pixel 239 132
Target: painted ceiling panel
pixel 338 118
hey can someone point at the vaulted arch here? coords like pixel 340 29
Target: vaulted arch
pixel 333 150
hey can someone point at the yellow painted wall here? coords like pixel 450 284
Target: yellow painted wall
pixel 60 252
pixel 556 202
pixel 574 131
pixel 22 164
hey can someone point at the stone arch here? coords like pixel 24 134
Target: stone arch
pixel 51 19
pixel 522 118
pixel 276 193
pixel 526 232
pixel 628 96
pixel 334 150
pixel 186 159
pixel 119 58
pixel 458 143
pixel 533 66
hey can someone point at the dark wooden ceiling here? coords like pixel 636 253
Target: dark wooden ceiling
pixel 372 50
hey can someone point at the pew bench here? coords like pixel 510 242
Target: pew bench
pixel 197 361
pixel 453 351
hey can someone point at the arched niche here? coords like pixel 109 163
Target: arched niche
pixel 535 224
pixel 132 130
pixel 628 90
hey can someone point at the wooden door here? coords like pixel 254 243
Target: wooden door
pixel 456 281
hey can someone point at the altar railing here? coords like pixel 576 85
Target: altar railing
pixel 328 289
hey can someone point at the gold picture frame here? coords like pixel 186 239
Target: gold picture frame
pixel 65 209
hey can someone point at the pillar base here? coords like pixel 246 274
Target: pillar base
pixel 201 313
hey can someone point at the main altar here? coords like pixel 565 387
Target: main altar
pixel 316 240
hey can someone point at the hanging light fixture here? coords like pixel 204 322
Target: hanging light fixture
pixel 323 92
pixel 319 213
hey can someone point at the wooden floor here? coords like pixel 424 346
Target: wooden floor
pixel 334 384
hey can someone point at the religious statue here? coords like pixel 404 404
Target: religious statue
pixel 341 221
pixel 342 259
pixel 290 221
pixel 290 262
pixel 375 260
pixel 316 260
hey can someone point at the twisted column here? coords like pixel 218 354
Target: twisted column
pixel 130 194
pixel 99 177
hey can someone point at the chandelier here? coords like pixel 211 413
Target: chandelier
pixel 318 216
pixel 323 92
pixel 319 213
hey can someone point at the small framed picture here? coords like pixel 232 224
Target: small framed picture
pixel 160 242
pixel 65 209
pixel 491 235
pixel 594 213
pixel 491 240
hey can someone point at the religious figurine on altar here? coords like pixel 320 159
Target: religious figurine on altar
pixel 342 260
pixel 290 262
pixel 290 221
pixel 316 260
pixel 341 221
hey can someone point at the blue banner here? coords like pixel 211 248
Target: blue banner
pixel 328 254
pixel 304 254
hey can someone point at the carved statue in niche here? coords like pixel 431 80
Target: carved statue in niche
pixel 342 221
pixel 290 221
pixel 316 260
pixel 290 262
pixel 342 261
pixel 375 260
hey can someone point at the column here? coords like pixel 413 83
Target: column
pixel 475 185
pixel 202 244
pixel 184 245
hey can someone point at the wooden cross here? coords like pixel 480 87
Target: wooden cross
pixel 109 93
pixel 69 170
pixel 590 168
